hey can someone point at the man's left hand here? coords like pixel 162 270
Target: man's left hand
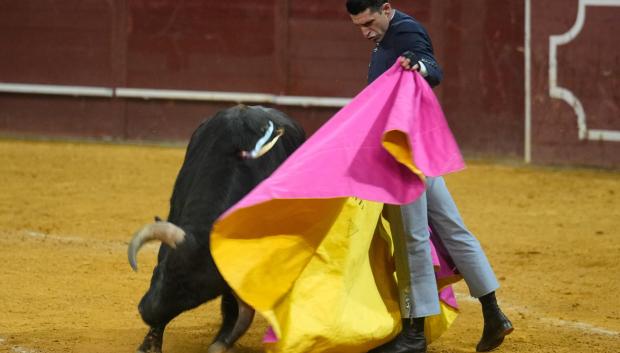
pixel 409 61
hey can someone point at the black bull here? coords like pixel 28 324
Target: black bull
pixel 224 161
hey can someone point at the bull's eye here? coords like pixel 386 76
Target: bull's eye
pixel 244 154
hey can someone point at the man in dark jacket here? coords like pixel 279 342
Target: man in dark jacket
pixel 400 37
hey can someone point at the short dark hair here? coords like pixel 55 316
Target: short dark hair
pixel 358 6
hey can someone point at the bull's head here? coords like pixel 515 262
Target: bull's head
pixel 158 306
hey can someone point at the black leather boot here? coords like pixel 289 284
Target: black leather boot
pixel 496 325
pixel 410 340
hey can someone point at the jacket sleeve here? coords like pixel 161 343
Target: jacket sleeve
pixel 420 44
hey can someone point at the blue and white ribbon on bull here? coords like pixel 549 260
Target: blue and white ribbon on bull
pixel 262 146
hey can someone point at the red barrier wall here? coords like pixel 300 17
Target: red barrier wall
pixel 310 49
pixel 588 66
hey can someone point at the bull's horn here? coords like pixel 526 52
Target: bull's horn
pixel 165 232
pixel 262 146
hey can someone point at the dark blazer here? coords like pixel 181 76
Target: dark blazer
pixel 404 33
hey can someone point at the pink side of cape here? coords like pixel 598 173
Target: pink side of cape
pixel 345 156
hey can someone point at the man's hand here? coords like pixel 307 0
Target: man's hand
pixel 407 59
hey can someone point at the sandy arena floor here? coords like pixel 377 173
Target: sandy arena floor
pixel 67 211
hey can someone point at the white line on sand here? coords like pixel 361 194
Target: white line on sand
pixel 18 349
pixel 573 325
pixel 67 239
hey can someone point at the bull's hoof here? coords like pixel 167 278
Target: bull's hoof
pixel 149 350
pixel 218 347
pixel 153 350
pixel 152 342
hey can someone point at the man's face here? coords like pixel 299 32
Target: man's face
pixel 373 24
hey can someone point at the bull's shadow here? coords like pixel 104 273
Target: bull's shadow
pixel 227 156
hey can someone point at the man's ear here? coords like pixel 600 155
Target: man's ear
pixel 386 7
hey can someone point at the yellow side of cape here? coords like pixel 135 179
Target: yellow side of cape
pixel 322 275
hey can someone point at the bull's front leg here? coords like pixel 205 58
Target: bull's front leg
pixel 237 318
pixel 152 341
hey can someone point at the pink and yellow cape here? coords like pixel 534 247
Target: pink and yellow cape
pixel 310 249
